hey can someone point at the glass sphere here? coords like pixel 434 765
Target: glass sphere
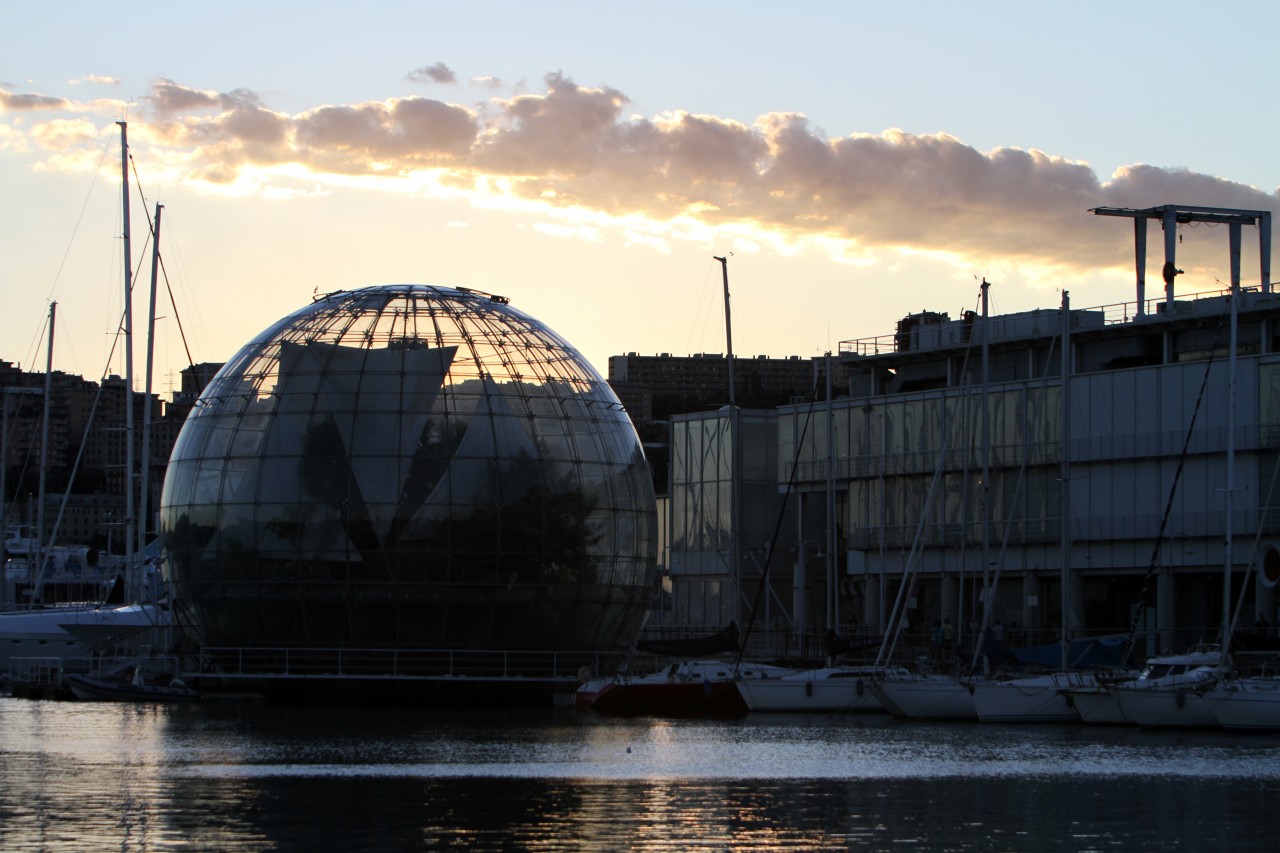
pixel 409 466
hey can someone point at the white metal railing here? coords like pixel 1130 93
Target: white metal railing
pixel 1016 326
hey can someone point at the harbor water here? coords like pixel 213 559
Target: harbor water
pixel 241 776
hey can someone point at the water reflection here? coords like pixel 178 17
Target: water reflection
pixel 252 777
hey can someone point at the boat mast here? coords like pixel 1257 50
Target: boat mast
pixel 1065 468
pixel 144 513
pixel 36 571
pixel 1231 448
pixel 130 519
pixel 735 538
pixel 833 566
pixel 988 593
pixel 728 327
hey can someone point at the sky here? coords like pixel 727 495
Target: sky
pixel 854 162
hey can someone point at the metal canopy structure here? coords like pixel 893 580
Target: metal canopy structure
pixel 1172 215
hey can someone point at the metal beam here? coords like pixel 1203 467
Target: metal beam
pixel 1172 215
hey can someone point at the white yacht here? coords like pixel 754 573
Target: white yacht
pixel 926 697
pixel 1251 704
pixel 1033 699
pixel 1094 701
pixel 1168 692
pixel 53 635
pixel 827 689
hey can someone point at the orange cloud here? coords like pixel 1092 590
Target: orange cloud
pixel 573 146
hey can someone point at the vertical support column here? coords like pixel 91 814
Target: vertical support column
pixel 949 596
pixel 799 581
pixel 1264 603
pixel 1166 621
pixel 1074 605
pixel 1140 253
pixel 1233 231
pixel 1264 251
pixel 1170 270
pixel 1032 602
pixel 871 611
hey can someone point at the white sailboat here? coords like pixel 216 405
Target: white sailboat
pixel 1095 704
pixel 1183 705
pixel 47 637
pixel 1034 699
pixel 939 696
pixel 1248 704
pixel 926 696
pixel 1043 698
pixel 826 689
pixel 1168 693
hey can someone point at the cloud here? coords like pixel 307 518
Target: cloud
pixel 400 135
pixel 169 99
pixel 438 73
pixel 14 103
pixel 99 79
pixel 575 148
pixel 66 134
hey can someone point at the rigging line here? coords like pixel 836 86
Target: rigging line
pixel 706 294
pixel 1253 559
pixel 777 527
pixel 182 332
pixel 151 230
pixel 965 408
pixel 28 458
pixel 79 219
pixel 1153 563
pixel 895 625
pixel 1018 496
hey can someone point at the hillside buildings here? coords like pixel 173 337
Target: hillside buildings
pixel 86 433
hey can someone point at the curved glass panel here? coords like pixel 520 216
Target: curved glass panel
pixel 410 466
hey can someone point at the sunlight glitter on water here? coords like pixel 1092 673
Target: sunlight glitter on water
pixel 252 777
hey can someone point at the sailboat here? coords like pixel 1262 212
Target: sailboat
pixel 939 696
pixel 702 688
pixel 1183 705
pixel 34 640
pixel 691 688
pixel 1248 703
pixel 825 689
pixel 1043 698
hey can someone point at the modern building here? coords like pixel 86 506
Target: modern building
pixel 410 468
pixel 971 454
pixel 655 387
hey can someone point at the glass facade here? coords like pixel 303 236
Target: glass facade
pixel 887 451
pixel 714 455
pixel 410 466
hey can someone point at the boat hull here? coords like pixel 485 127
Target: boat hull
pixel 1165 708
pixel 87 688
pixel 1028 700
pixel 927 698
pixel 819 691
pixel 67 632
pixel 1097 707
pixel 676 699
pixel 1247 705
